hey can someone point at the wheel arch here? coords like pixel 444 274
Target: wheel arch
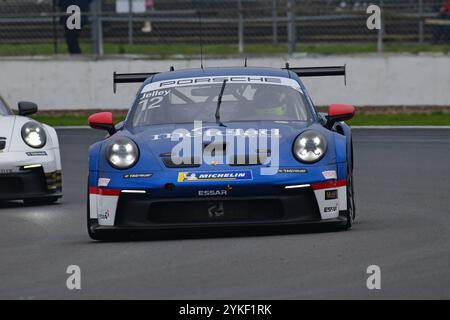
pixel 345 130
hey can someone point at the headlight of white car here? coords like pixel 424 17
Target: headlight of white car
pixel 122 153
pixel 33 134
pixel 310 146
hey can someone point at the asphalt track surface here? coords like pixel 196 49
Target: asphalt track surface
pixel 403 197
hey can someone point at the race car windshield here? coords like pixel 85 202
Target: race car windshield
pixel 240 102
pixel 4 110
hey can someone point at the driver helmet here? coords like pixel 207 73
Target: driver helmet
pixel 269 102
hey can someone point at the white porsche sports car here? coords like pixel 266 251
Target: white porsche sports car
pixel 30 162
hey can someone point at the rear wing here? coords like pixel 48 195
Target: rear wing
pixel 301 72
pixel 319 71
pixel 130 78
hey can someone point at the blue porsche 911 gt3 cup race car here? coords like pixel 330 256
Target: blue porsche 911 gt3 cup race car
pixel 221 147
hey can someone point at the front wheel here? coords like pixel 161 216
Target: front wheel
pixel 350 214
pixel 91 223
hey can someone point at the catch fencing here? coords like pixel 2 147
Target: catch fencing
pixel 242 25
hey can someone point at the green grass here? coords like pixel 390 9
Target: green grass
pixel 67 120
pixel 189 50
pixel 441 119
pixel 437 119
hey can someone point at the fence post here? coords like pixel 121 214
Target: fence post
pixel 96 26
pixel 380 45
pixel 292 37
pixel 421 30
pixel 240 27
pixel 130 22
pixel 55 26
pixel 274 22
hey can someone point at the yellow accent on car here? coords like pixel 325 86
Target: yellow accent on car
pixel 278 111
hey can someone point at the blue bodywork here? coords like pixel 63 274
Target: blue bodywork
pixel 152 142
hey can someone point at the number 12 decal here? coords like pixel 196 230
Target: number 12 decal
pixel 152 103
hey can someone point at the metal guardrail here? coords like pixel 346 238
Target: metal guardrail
pixel 227 21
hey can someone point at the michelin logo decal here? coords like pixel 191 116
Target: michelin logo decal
pixel 214 176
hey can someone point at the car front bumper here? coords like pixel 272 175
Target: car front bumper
pixel 25 175
pixel 139 209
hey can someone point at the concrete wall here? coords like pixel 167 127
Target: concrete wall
pixel 65 83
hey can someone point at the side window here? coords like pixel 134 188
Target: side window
pixel 309 101
pixel 4 110
pixel 308 98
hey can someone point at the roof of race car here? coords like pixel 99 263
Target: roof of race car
pixel 224 71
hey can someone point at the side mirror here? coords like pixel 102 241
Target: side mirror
pixel 27 108
pixel 339 112
pixel 102 121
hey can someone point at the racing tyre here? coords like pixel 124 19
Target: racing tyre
pixel 350 214
pixel 91 223
pixel 97 235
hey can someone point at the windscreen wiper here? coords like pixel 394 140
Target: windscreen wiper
pixel 219 103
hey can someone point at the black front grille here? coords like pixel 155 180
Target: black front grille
pixel 215 211
pixel 136 210
pixel 11 185
pixel 27 182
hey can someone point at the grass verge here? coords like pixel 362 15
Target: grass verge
pixel 436 119
pixel 68 120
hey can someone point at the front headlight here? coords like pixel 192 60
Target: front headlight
pixel 310 147
pixel 122 153
pixel 33 134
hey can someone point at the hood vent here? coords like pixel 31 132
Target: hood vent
pixel 261 157
pixel 185 163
